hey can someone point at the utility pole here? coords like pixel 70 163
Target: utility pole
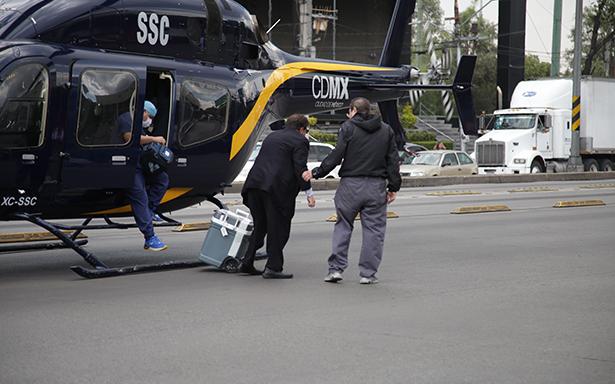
pixel 574 161
pixel 269 15
pixel 306 48
pixel 334 28
pixel 458 31
pixel 557 38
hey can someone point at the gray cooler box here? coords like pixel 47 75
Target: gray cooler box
pixel 227 239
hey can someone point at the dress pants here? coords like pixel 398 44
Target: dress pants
pixel 144 196
pixel 270 220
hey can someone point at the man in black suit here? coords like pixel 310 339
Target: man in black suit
pixel 270 192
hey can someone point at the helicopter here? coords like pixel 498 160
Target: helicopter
pixel 69 68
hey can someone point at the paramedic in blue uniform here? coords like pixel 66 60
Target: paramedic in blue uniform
pixel 270 191
pixel 147 190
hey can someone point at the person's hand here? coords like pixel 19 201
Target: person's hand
pixel 160 139
pixel 307 175
pixel 391 197
pixel 311 201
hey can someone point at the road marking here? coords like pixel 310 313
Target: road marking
pixel 534 189
pixel 597 186
pixel 481 209
pixel 453 193
pixel 390 215
pixel 190 227
pixel 580 203
pixel 22 237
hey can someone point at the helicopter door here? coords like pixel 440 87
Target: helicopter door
pixel 105 103
pixel 23 113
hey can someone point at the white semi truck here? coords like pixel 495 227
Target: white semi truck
pixel 534 134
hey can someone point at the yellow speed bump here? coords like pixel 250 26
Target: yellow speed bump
pixel 390 215
pixel 189 227
pixel 481 209
pixel 597 186
pixel 534 189
pixel 453 193
pixel 23 237
pixel 580 203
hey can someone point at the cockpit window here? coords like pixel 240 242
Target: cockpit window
pixel 204 112
pixel 106 106
pixel 23 106
pixel 6 16
pixel 514 122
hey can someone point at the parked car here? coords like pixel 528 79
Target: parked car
pixel 410 150
pixel 440 163
pixel 318 152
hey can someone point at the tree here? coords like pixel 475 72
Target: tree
pixel 598 35
pixel 536 69
pixel 427 16
pixel 484 47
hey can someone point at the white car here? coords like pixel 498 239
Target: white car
pixel 318 152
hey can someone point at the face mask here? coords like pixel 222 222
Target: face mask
pixel 147 123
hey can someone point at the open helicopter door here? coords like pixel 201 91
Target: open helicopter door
pixel 105 103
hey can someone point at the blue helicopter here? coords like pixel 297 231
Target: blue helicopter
pixel 70 68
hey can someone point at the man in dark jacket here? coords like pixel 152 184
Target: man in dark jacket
pixel 370 159
pixel 270 192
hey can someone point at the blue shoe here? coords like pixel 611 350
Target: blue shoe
pixel 156 218
pixel 154 244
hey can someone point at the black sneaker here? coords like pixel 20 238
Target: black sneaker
pixel 271 274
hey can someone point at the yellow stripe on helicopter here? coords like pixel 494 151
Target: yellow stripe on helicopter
pixel 277 78
pixel 171 194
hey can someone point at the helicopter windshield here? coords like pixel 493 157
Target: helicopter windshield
pixel 6 16
pixel 514 122
pixel 23 106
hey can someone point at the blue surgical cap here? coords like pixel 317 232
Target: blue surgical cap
pixel 150 108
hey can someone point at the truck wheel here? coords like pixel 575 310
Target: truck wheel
pixel 606 165
pixel 537 167
pixel 591 165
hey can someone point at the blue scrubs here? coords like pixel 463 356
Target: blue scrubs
pixel 146 191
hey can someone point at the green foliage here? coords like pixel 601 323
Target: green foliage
pixel 323 137
pixel 407 117
pixel 536 69
pixel 428 14
pixel 599 17
pixel 415 136
pixel 312 121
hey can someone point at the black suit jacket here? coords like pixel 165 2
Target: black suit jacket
pixel 279 166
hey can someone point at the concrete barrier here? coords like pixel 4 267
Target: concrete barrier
pixel 436 181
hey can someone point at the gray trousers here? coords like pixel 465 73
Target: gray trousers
pixel 366 195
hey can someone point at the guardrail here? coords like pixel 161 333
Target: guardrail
pixel 435 129
pixel 435 181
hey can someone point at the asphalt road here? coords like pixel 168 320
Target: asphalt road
pixel 526 296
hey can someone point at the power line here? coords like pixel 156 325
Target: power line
pixel 536 29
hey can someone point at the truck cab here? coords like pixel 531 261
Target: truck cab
pixel 532 136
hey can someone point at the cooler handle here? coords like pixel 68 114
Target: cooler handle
pixel 242 213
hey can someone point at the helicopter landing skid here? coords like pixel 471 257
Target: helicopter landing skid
pixel 96 273
pixel 69 241
pixel 214 200
pixel 99 269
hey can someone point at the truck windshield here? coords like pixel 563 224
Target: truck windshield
pixel 514 122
